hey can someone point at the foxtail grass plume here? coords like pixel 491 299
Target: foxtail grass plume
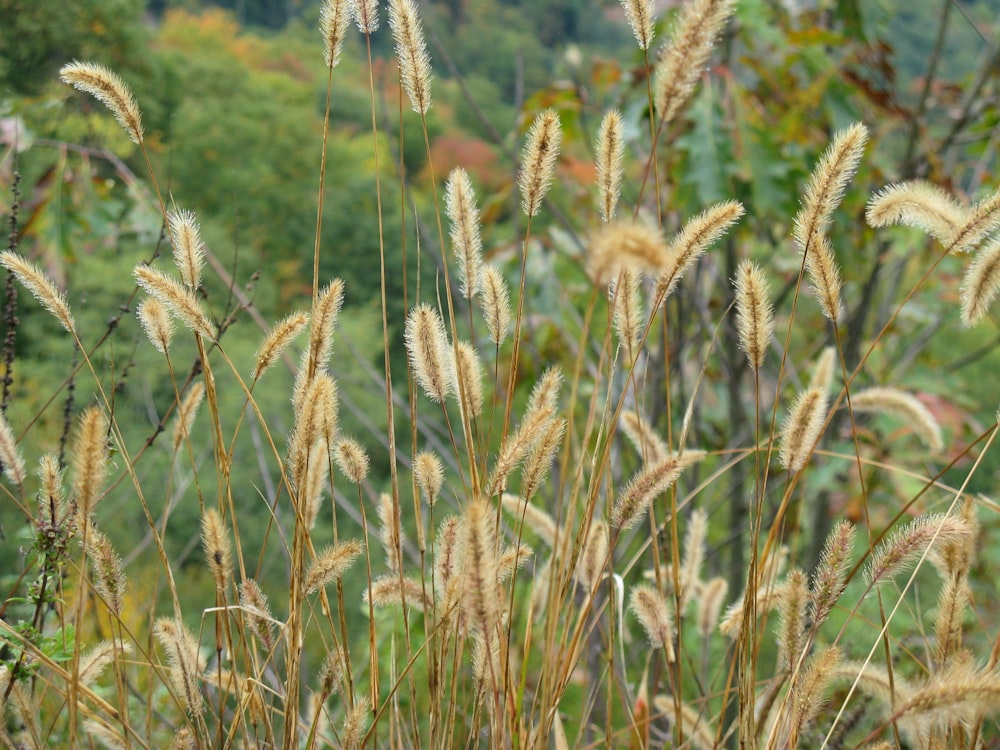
pixel 512 560
pixel 481 587
pixel 105 735
pixel 628 316
pixel 754 314
pixel 429 352
pixel 683 58
pixel 218 551
pixel 650 608
pixel 955 698
pixel 591 565
pixel 692 241
pixel 466 240
pixel 189 250
pixel 110 90
pixel 538 161
pixel 257 613
pixel 625 245
pixel 331 564
pixel 694 555
pixel 365 14
pixel 906 545
pixel 108 571
pixel 822 371
pixel 792 606
pixel 495 301
pixel 186 664
pixel 829 578
pixel 40 286
pixel 390 531
pixel 390 591
pixel 469 368
pixel 428 472
pixel 351 459
pixel 10 454
pixel 807 692
pixel 650 446
pixel 640 17
pixel 710 601
pixel 802 428
pixel 447 559
pixel 325 313
pixel 97 659
pixel 905 406
pixel 411 51
pixel 539 460
pixel 186 413
pixel 157 323
pixel 89 461
pixel 334 17
pixel 610 150
pixel 178 299
pixel 982 219
pixel 650 482
pixel 918 204
pixel 534 518
pixel 280 336
pixel 981 283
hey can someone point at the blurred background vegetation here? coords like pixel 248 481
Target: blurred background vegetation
pixel 233 96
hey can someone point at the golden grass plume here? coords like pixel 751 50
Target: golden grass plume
pixel 610 150
pixel 802 428
pixel 411 51
pixel 538 161
pixel 429 352
pixel 156 323
pixel 466 237
pixel 334 17
pixel 905 406
pixel 41 287
pixel 110 90
pixel 754 313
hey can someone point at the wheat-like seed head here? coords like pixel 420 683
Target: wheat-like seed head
pixel 96 660
pixel 610 150
pixel 470 369
pixel 516 445
pixel 682 59
pixel 628 315
pixel 754 313
pixel 713 595
pixel 365 14
pixel 89 461
pixel 640 433
pixel 591 564
pixel 905 406
pixel 538 161
pixel 466 238
pixel 257 612
pixel 447 556
pixel 624 245
pixel 157 323
pixel 919 204
pixel 110 90
pixel 189 250
pixel 906 545
pixel 953 601
pixel 828 580
pixel 428 471
pixel 218 550
pixel 51 503
pixel 824 273
pixel 955 557
pixel 390 530
pixel 110 738
pixel 411 51
pixel 186 413
pixel 512 560
pixel 982 220
pixel 352 459
pixel 540 457
pixel 481 585
pixel 429 352
pixel 330 674
pixel 315 423
pixel 331 564
pixel 694 555
pixel 650 482
pixel 536 519
pixel 495 301
pixel 355 723
pixel 178 299
pixel 959 696
pixel 698 730
pixel 807 691
pixel 186 664
pixel 792 606
pixel 822 372
pixel 280 336
pixel 183 740
pixel 650 608
pixel 109 571
pixel 640 17
pixel 692 241
pixel 389 591
pixel 334 15
pixel 325 313
pixel 802 428
pixel 41 287
pixel 981 283
pixel 10 454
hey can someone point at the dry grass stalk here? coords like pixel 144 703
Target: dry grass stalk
pixel 110 90
pixel 698 731
pixel 536 519
pixel 186 413
pixel 186 664
pixel 683 58
pixel 428 471
pixel 429 352
pixel 352 459
pixel 538 161
pixel 218 551
pixel 365 15
pixel 829 578
pixel 333 20
pixel 157 323
pixel 692 241
pixel 639 432
pixel 109 572
pixel 754 314
pixel 495 301
pixel 470 369
pixel 906 545
pixel 10 455
pixel 650 608
pixel 280 336
pixel 610 150
pixel 906 406
pixel 41 287
pixel 650 482
pixel 331 564
pixel 822 372
pixel 802 428
pixel 767 597
pixel 640 17
pixel 257 612
pixel 89 461
pixel 189 250
pixel 178 299
pixel 624 245
pixel 466 238
pixel 981 283
pixel 411 51
pixel 481 594
pixel 627 311
pixel 710 601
